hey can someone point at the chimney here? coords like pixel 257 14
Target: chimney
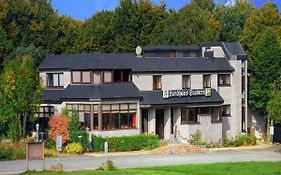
pixel 209 54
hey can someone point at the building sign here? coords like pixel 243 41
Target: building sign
pixel 187 93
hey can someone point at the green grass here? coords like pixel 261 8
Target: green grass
pixel 247 168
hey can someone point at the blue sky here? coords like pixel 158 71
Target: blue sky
pixel 83 9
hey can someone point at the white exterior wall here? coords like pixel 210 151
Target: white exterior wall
pixel 151 121
pixel 143 81
pixel 196 81
pixel 218 51
pixel 67 78
pixel 232 95
pixel 172 81
pixel 167 124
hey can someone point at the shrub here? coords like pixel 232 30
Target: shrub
pixel 74 148
pixel 97 143
pixel 73 136
pixel 6 153
pixel 58 126
pixel 50 144
pixel 241 140
pixel 20 154
pixel 126 143
pixel 107 166
pixel 50 152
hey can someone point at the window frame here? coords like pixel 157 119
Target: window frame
pixel 48 81
pixel 81 77
pixel 46 113
pixel 154 83
pixel 224 84
pixel 223 109
pixel 210 84
pixel 188 122
pixel 189 82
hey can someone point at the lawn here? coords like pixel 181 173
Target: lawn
pixel 247 168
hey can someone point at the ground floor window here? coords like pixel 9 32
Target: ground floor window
pixel 215 114
pixel 45 111
pixel 119 116
pixel 189 115
pixel 83 112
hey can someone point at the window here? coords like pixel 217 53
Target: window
pixel 186 82
pixel 119 116
pixel 172 53
pixel 76 76
pixel 81 76
pixel 157 82
pixel 55 80
pixel 86 77
pixel 215 114
pixel 224 80
pixel 45 111
pixel 121 75
pixel 226 110
pixel 189 115
pixel 107 76
pixel 204 111
pixel 206 81
pixel 96 77
pixel 83 111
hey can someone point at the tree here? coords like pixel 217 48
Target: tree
pixel 274 104
pixel 59 126
pixel 264 69
pixel 260 20
pixel 6 46
pixel 20 94
pixel 232 19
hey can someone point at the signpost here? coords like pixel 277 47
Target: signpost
pixel 59 146
pixel 106 150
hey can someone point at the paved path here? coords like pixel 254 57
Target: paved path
pixel 132 161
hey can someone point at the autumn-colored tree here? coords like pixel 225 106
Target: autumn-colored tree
pixel 59 126
pixel 257 23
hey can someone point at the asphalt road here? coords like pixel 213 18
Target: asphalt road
pixel 90 162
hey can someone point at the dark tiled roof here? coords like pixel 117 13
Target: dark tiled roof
pixel 155 98
pixel 170 47
pixel 52 96
pixel 136 64
pixel 230 48
pixel 92 92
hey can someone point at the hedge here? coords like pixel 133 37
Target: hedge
pixel 126 143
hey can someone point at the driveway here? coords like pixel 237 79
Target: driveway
pixel 86 162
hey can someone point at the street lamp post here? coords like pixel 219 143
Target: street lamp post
pixel 37 132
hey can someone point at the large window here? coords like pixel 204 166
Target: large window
pixel 224 79
pixel 206 81
pixel 186 82
pixel 81 76
pixel 83 111
pixel 157 84
pixel 189 115
pixel 226 111
pixel 215 114
pixel 55 80
pixel 45 111
pixel 119 116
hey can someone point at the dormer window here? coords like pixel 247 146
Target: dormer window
pixel 81 77
pixel 55 80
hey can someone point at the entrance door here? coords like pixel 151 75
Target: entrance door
pixel 160 123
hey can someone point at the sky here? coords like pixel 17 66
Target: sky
pixel 83 9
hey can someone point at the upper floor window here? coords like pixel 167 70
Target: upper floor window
pixel 224 79
pixel 107 76
pixel 81 76
pixel 206 81
pixel 97 77
pixel 157 85
pixel 121 76
pixel 172 53
pixel 186 82
pixel 55 80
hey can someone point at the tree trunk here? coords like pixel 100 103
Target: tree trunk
pixel 24 126
pixel 267 129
